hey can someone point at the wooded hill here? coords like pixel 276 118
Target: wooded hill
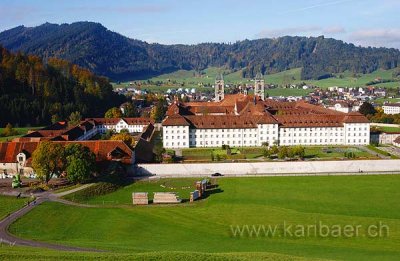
pixel 34 93
pixel 92 46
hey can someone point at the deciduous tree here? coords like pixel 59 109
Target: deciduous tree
pixel 81 163
pixel 48 159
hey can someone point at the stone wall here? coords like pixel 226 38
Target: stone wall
pixel 273 168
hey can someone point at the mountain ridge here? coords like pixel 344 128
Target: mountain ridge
pixel 93 46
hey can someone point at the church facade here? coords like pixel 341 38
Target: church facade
pixel 242 120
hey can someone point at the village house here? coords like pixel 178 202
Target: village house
pixel 16 157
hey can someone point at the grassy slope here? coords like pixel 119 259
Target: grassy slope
pixel 205 225
pixel 282 78
pixel 10 204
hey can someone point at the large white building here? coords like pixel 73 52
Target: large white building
pixel 133 125
pixel 391 108
pixel 244 121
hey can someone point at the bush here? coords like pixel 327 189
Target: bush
pixel 98 189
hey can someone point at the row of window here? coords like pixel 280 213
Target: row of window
pixel 355 129
pixel 173 137
pixel 178 131
pixel 248 142
pixel 306 141
pixel 311 134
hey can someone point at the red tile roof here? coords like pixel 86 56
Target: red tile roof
pixel 101 148
pixel 114 121
pixel 288 114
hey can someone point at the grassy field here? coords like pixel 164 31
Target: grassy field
pixel 10 204
pixel 205 226
pixel 192 79
pixel 28 254
pixel 21 132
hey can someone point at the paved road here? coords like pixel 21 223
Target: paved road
pixel 7 238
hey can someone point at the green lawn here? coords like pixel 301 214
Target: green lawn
pixel 10 204
pixel 204 154
pixel 21 132
pixel 334 152
pixel 311 152
pixel 124 195
pixel 388 129
pixel 205 226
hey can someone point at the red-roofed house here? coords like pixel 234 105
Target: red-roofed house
pixel 17 156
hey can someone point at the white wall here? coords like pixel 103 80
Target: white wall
pixel 306 167
pixel 176 136
pixel 312 136
pixel 357 133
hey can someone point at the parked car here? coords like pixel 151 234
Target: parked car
pixel 217 174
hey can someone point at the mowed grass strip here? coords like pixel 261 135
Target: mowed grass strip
pixel 205 226
pixel 28 254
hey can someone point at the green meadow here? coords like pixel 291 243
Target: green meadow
pixel 192 79
pixel 207 229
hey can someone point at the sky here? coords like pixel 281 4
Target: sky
pixel 362 22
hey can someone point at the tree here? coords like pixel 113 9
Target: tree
pixel 158 111
pixel 55 118
pixel 130 110
pixel 81 163
pixel 74 118
pixel 9 131
pixel 48 159
pixel 107 135
pixel 158 153
pixel 113 113
pixel 125 137
pixel 283 152
pixel 367 109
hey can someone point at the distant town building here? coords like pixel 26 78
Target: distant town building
pixel 259 86
pixel 391 108
pixel 219 87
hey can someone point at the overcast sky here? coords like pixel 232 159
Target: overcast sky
pixel 363 22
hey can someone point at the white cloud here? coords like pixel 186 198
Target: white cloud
pixel 301 30
pixel 318 5
pixel 288 31
pixel 334 30
pixel 378 37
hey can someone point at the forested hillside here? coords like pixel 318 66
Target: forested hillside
pixel 34 93
pixel 92 46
